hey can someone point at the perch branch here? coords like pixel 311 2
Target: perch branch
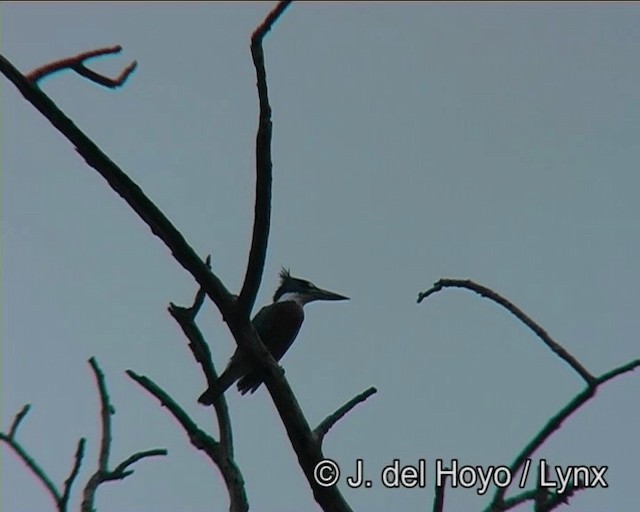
pixel 518 313
pixel 326 424
pixel 77 64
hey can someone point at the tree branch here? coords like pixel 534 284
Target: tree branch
pixel 28 461
pixel 202 441
pixel 202 354
pixel 262 209
pixel 75 469
pixel 438 498
pixel 325 425
pixel 518 313
pixel 126 188
pixel 76 63
pixel 498 502
pixel 18 419
pixel 103 473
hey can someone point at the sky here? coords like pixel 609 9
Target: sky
pixel 490 141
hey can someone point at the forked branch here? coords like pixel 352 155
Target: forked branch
pixel 218 454
pixel 60 498
pixel 548 502
pixel 77 64
pixel 103 473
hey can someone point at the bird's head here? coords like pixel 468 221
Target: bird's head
pixel 301 290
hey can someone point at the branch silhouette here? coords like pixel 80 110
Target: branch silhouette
pixel 235 310
pixel 103 473
pixel 499 503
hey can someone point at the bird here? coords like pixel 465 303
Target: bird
pixel 277 325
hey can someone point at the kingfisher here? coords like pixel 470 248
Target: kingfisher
pixel 278 325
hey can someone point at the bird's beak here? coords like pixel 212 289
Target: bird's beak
pixel 320 294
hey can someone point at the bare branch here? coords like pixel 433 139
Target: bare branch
pixel 326 424
pixel 77 64
pixel 18 419
pixel 202 441
pixel 202 354
pixel 121 472
pixel 518 313
pixel 106 410
pixel 34 467
pixel 498 502
pixel 262 209
pixel 126 188
pixel 102 473
pixel 438 498
pixel 75 469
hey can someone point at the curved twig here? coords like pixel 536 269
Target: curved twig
pixel 202 441
pixel 518 313
pixel 325 425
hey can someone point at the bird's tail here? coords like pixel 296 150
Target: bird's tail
pixel 224 382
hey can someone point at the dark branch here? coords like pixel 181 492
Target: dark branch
pixel 34 467
pixel 554 424
pixel 106 410
pixel 77 64
pixel 326 424
pixel 262 208
pixel 68 483
pixel 438 499
pixel 518 313
pixel 202 354
pixel 103 473
pixel 126 188
pixel 202 441
pixel 18 419
pixel 121 472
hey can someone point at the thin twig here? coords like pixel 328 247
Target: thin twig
pixel 106 410
pixel 202 441
pixel 18 419
pixel 325 425
pixel 75 469
pixel 518 313
pixel 120 470
pixel 35 468
pixel 103 473
pixel 77 64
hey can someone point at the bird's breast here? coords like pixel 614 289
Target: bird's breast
pixel 278 325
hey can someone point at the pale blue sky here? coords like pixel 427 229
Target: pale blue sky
pixel 497 142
